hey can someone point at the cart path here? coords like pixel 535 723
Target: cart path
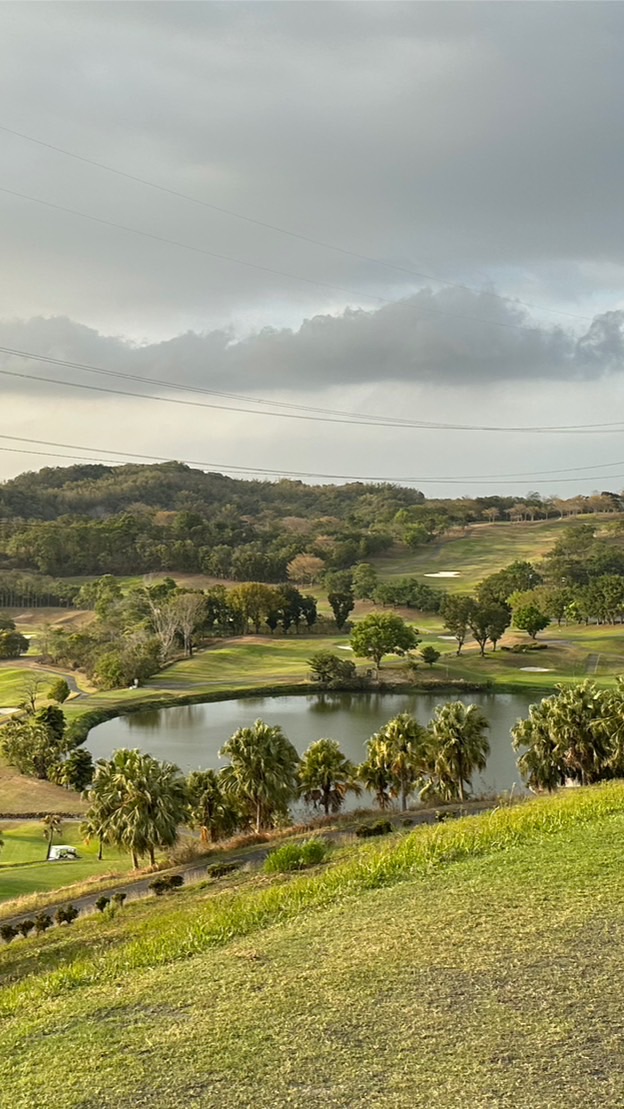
pixel 197 871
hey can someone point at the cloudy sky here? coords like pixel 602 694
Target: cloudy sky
pixel 399 210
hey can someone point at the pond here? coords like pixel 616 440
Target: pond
pixel 191 735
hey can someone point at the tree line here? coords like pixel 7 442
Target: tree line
pixel 139 803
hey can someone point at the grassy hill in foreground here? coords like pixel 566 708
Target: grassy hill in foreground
pixel 474 963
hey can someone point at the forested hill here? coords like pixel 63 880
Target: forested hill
pixel 99 491
pixel 133 519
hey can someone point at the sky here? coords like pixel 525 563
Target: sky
pixel 316 227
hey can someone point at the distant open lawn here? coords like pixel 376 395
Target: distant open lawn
pixel 12 680
pixel 23 866
pixel 484 549
pixel 475 964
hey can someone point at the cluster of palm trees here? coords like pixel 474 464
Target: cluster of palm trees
pixel 139 803
pixel 574 736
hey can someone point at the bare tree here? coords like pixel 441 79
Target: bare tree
pixel 29 691
pixel 188 609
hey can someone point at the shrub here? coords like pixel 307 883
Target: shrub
pixel 66 915
pixel 296 856
pixel 379 828
pixel 25 926
pixel 8 932
pixel 118 899
pixel 42 922
pixel 101 903
pixel 219 870
pixel 166 884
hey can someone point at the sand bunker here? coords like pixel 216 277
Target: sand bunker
pixel 340 648
pixel 7 712
pixel 536 669
pixel 444 574
pixel 452 637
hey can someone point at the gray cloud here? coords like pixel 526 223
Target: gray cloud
pixel 427 339
pixel 460 138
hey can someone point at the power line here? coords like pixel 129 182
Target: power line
pixel 103 453
pixel 264 269
pixel 286 231
pixel 303 413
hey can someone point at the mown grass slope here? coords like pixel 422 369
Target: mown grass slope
pixel 482 550
pixel 471 964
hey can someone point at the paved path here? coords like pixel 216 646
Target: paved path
pixel 196 872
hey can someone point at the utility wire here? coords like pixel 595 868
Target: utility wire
pixel 286 231
pixel 315 415
pixel 102 456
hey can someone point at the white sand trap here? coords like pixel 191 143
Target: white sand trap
pixel 7 712
pixel 451 637
pixel 344 648
pixel 537 669
pixel 444 574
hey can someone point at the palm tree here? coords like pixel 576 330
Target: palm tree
pixel 52 825
pixel 539 762
pixel 577 724
pixel 613 725
pixel 262 775
pixel 375 772
pixel 407 746
pixel 210 808
pixel 137 802
pixel 326 775
pixel 459 747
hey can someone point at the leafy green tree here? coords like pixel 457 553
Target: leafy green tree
pixel 531 619
pixel 326 776
pixel 76 772
pixel 519 576
pixel 487 621
pixel 326 667
pixel 309 608
pixel 254 601
pixel 261 778
pixel 382 633
pixel 211 809
pixel 52 826
pixel 429 654
pixel 375 772
pixel 59 691
pixel 407 747
pixel 341 605
pixel 456 610
pixel 137 803
pixel 12 643
pixel 459 747
pixel 365 580
pixel 37 745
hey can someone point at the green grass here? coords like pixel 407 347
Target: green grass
pixel 470 964
pixel 484 549
pixel 24 869
pixel 12 681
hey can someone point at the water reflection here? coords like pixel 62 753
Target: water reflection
pixel 191 735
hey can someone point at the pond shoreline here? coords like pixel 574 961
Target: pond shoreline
pixel 82 724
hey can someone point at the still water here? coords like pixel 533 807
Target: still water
pixel 191 735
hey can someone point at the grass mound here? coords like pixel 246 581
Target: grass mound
pixel 469 963
pixel 296 856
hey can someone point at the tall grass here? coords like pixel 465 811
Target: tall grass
pixel 370 866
